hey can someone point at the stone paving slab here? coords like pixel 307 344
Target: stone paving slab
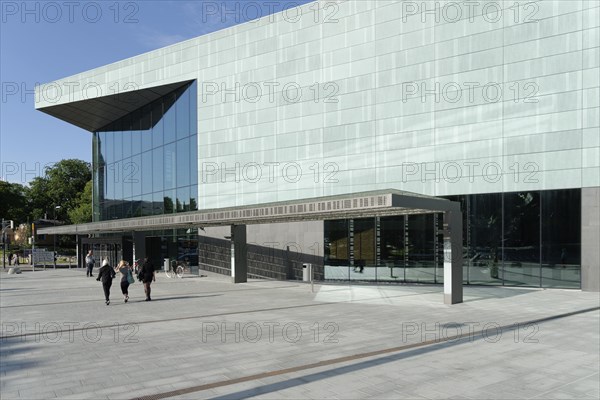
pixel 203 331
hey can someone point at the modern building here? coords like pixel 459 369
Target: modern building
pixel 308 123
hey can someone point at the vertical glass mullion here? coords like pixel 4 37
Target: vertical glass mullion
pixel 540 235
pixel 350 245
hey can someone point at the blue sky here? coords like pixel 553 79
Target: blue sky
pixel 41 41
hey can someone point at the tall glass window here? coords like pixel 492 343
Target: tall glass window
pixel 516 239
pixel 363 249
pixel 561 238
pixel 146 163
pixel 393 253
pixel 483 238
pixel 337 257
pixel 421 248
pixel 521 252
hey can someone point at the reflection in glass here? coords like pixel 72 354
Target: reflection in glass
pixel 169 201
pixel 169 165
pixel 158 207
pixel 561 238
pixel 183 115
pixel 194 159
pixel 117 138
pixel 127 209
pixel 521 252
pixel 136 174
pixel 147 205
pixel 146 172
pixel 117 183
pixel 136 134
pixel 483 238
pixel 169 120
pixel 501 232
pixel 337 261
pixel 157 170
pixel 98 188
pixel 116 209
pixel 183 199
pixel 141 166
pixel 126 136
pixel 127 173
pixel 420 245
pixel 193 107
pixel 364 249
pixel 146 128
pixel 193 198
pixel 157 125
pixel 183 162
pixel 108 147
pixel 392 248
pixel 110 179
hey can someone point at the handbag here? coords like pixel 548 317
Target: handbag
pixel 130 277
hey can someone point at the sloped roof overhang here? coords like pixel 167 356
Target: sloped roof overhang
pixel 95 113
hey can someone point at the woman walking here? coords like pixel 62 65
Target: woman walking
pixel 126 278
pixel 147 276
pixel 106 275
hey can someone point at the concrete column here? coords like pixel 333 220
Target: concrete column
pixel 453 290
pixel 239 254
pixel 590 239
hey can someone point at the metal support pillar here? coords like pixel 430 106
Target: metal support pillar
pixel 239 254
pixel 453 290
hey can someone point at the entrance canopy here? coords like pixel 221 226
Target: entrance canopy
pixel 355 205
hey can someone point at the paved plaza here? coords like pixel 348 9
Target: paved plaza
pixel 203 337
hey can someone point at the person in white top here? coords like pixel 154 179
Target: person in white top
pixel 89 263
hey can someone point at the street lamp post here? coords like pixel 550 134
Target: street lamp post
pixel 54 223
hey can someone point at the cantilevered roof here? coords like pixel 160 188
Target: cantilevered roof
pixel 355 205
pixel 95 113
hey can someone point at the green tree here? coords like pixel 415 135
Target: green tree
pixel 62 186
pixel 82 213
pixel 40 202
pixel 13 202
pixel 22 235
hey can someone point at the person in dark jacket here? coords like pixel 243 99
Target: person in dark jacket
pixel 106 274
pixel 148 276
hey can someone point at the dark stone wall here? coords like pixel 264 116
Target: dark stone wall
pixel 263 262
pixel 214 255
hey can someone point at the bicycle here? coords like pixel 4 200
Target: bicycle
pixel 177 269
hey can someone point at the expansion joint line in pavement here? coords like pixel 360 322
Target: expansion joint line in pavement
pixel 33 334
pixel 95 326
pixel 332 361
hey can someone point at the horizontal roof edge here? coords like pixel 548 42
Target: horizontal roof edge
pixel 353 205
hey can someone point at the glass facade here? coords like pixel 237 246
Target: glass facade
pixel 501 112
pixel 146 163
pixel 516 239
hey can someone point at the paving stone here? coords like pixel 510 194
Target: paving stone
pixel 179 353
